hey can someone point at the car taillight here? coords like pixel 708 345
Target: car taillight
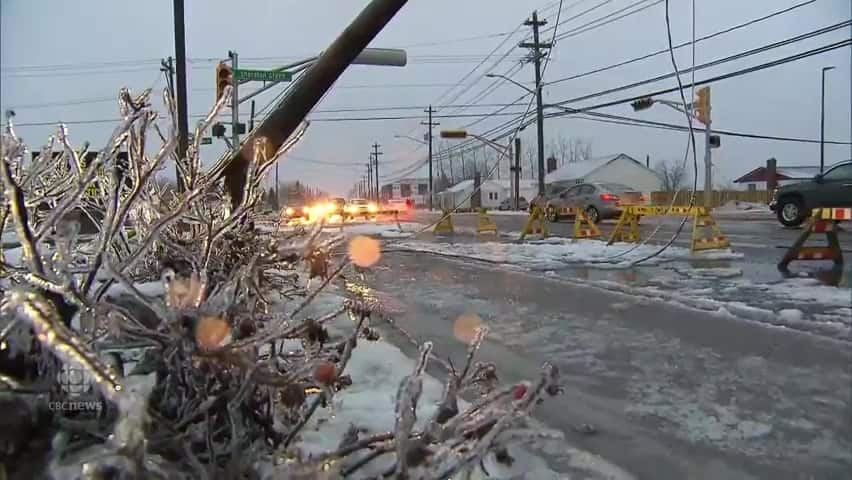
pixel 608 197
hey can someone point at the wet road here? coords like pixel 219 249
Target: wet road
pixel 675 393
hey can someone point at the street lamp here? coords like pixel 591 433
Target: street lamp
pixel 406 137
pixel 497 75
pixel 822 122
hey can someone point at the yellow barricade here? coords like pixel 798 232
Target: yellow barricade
pixel 484 223
pixel 445 225
pixel 536 224
pixel 627 228
pixel 823 220
pixel 590 230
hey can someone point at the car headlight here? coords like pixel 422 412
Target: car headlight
pixel 373 208
pixel 290 211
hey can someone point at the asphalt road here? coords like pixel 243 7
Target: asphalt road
pixel 674 393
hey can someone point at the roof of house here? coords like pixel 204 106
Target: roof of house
pixel 761 174
pixel 579 170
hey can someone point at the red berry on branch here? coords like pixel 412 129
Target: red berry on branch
pixel 520 391
pixel 325 372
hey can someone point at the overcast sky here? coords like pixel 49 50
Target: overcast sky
pixel 64 60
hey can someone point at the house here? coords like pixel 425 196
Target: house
pixel 757 178
pixel 416 189
pixel 459 195
pixel 527 188
pixel 618 168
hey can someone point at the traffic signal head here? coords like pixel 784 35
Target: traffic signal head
pixel 642 104
pixel 224 78
pixel 453 134
pixel 702 105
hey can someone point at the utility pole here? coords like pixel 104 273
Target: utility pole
pixel 537 55
pixel 235 104
pixel 370 178
pixel 822 122
pixel 517 171
pixel 376 154
pixel 180 59
pixel 429 126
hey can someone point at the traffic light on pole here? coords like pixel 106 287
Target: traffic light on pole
pixel 224 78
pixel 702 105
pixel 642 104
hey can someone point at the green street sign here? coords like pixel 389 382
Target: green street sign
pixel 206 141
pixel 245 75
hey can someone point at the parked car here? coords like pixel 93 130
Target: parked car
pixel 833 188
pixel 509 204
pixel 601 201
pixel 398 205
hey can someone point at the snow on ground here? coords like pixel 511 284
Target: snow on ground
pixel 553 253
pixel 743 209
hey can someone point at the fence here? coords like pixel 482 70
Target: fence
pixel 719 197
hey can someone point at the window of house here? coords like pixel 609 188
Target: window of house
pixel 422 188
pixel 752 187
pixel 405 190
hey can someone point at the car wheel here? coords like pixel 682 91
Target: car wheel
pixel 791 212
pixel 593 215
pixel 551 215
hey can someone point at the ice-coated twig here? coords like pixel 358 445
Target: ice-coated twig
pixel 406 409
pixel 53 333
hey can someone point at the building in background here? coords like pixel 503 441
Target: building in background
pixel 416 189
pixel 757 179
pixel 618 168
pixel 459 195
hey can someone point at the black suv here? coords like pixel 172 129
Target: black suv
pixel 793 203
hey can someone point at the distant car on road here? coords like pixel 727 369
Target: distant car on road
pixel 361 207
pixel 399 205
pixel 599 200
pixel 793 203
pixel 509 204
pixel 294 211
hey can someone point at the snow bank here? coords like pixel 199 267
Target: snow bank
pixel 554 252
pixel 741 207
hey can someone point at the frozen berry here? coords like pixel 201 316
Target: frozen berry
pixel 325 372
pixel 520 391
pixel 211 332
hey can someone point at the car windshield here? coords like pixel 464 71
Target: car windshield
pixel 581 285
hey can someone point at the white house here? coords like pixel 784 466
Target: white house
pixel 618 168
pixel 458 196
pixel 416 189
pixel 528 189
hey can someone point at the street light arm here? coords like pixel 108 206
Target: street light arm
pixel 496 146
pixel 497 75
pixel 412 139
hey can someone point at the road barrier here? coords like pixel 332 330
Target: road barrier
pixel 627 228
pixel 536 224
pixel 583 227
pixel 484 223
pixel 445 225
pixel 823 220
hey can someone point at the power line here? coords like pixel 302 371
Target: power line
pixel 717 62
pixel 610 18
pixel 701 39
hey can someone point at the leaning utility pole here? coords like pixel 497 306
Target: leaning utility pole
pixel 537 55
pixel 180 59
pixel 429 126
pixel 376 154
pixel 306 92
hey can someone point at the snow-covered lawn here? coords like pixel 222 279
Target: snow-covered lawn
pixel 555 253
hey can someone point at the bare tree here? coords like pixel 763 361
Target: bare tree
pixel 579 149
pixel 673 175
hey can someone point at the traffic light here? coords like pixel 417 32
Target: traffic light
pixel 453 133
pixel 224 78
pixel 702 105
pixel 642 104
